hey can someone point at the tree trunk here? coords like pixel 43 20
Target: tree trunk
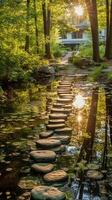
pixel 92 11
pixel 47 22
pixel 36 27
pixel 108 47
pixel 27 40
pixel 107 29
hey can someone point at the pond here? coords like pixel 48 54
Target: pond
pixel 25 113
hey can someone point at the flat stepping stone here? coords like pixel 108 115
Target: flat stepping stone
pixel 63 131
pixel 65 139
pixel 43 156
pixel 54 126
pixel 42 167
pixel 67 95
pixel 64 87
pixel 64 100
pixel 63 91
pixel 48 143
pixel 58 116
pixel 61 105
pixel 56 176
pixel 45 134
pixel 60 110
pixel 56 121
pixel 65 83
pixel 45 193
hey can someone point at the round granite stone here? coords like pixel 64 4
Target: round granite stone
pixel 57 116
pixel 56 121
pixel 43 156
pixel 56 176
pixel 54 126
pixel 42 167
pixel 45 193
pixel 45 134
pixel 48 143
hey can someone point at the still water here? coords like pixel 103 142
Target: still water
pixel 24 114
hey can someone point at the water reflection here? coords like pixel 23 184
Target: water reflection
pixel 79 101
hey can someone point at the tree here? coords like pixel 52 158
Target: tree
pixel 36 26
pixel 92 11
pixel 27 40
pixel 108 47
pixel 47 25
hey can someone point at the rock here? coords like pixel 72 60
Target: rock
pixel 54 126
pixel 65 131
pixel 94 174
pixel 63 91
pixel 59 100
pixel 43 156
pixel 26 184
pixel 65 139
pixel 64 87
pixel 45 134
pixel 56 176
pixel 56 121
pixel 58 116
pixel 45 193
pixel 48 143
pixel 60 110
pixel 61 105
pixel 42 167
pixel 44 71
pixel 65 96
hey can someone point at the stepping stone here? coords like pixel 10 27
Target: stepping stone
pixel 65 139
pixel 58 116
pixel 43 156
pixel 64 87
pixel 66 95
pixel 56 176
pixel 60 110
pixel 56 121
pixel 65 83
pixel 45 134
pixel 64 100
pixel 61 105
pixel 65 130
pixel 42 167
pixel 45 193
pixel 63 91
pixel 54 126
pixel 48 143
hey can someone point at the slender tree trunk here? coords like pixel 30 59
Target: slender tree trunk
pixel 47 22
pixel 107 29
pixel 92 11
pixel 27 42
pixel 108 47
pixel 36 27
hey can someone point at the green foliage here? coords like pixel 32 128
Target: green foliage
pixel 96 73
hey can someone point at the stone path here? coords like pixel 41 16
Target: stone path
pixel 52 142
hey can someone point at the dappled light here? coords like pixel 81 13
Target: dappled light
pixel 79 101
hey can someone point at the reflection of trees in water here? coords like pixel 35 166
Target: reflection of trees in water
pixel 108 91
pixel 91 124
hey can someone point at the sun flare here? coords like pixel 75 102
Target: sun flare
pixel 79 10
pixel 79 101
